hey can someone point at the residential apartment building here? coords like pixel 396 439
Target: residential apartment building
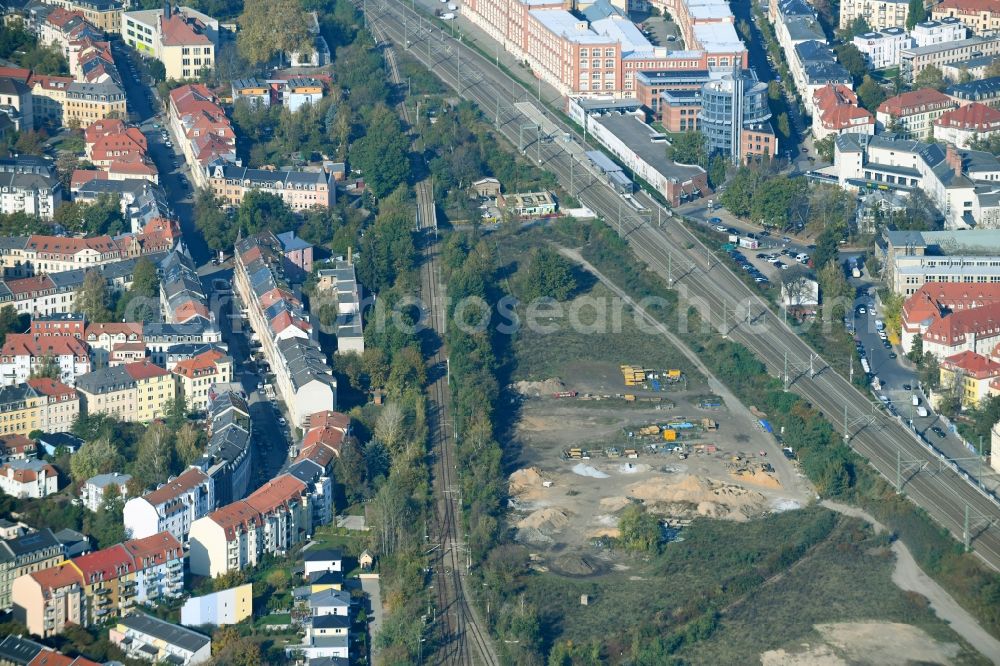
pixel 912 114
pixel 31 479
pixel 981 16
pixel 201 129
pixel 219 609
pixel 16 103
pixel 292 93
pixel 271 520
pixel 879 14
pixel 48 99
pixel 914 60
pixel 18 651
pixel 962 184
pixel 183 39
pixel 29 185
pixel 941 31
pixel 25 355
pixel 182 296
pixel 197 375
pixel 58 404
pixel 837 112
pixel 105 15
pixel 89 102
pixel 278 319
pixel 882 49
pixel 970 375
pixel 95 489
pixel 160 338
pixel 22 409
pixel 104 338
pixel 24 554
pixel 137 392
pixel 228 458
pixel 96 587
pixel 982 91
pixel 37 254
pixel 147 638
pixel 340 283
pixel 972 122
pixel 300 190
pixel 914 258
pixel 601 57
pixel 172 507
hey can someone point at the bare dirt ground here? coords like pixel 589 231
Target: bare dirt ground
pixel 855 643
pixel 561 504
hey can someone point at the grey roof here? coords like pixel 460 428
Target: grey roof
pixel 290 242
pixel 104 92
pixel 105 480
pixel 9 86
pixel 17 393
pixel 173 634
pixel 948 242
pixel 602 161
pixel 636 135
pixel 157 329
pixel 306 471
pixel 975 90
pixel 322 555
pixel 330 597
pixel 18 651
pixel 602 9
pixel 29 181
pixel 267 179
pixel 804 27
pixel 28 164
pixel 331 622
pixel 33 542
pixel 104 380
pixel 229 401
pixel 57 439
pixel 814 51
pixel 330 641
pixel 13 242
pixel 972 42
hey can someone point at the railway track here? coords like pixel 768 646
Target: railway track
pixel 463 640
pixel 673 250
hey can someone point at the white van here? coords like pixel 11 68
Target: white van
pixel 921 411
pixel 879 325
pixel 915 400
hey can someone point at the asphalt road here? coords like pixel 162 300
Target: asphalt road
pixel 889 446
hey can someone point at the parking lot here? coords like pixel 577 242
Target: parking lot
pixel 762 256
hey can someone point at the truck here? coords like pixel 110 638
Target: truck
pixel 855 267
pixel 749 243
pixel 914 400
pixel 864 366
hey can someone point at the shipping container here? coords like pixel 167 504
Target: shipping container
pixel 669 435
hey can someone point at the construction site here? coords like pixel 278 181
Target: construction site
pixel 587 452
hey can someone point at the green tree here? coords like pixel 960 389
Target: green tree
pixel 851 58
pixel 30 142
pixel 858 26
pixel 260 211
pixel 774 91
pixel 12 322
pixel 217 227
pixel 870 94
pixel 155 455
pixel 640 530
pixel 916 353
pixel 916 13
pixel 93 458
pixel 189 444
pixel 825 148
pixel 549 275
pixel 930 77
pixel 106 524
pixel 837 293
pixel 92 297
pixel 688 148
pixel 827 247
pixel 928 372
pixel 48 367
pixel 784 128
pixel 141 302
pixel 271 27
pixel 382 153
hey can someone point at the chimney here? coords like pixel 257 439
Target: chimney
pixel 953 159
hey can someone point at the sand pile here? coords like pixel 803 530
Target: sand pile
pixel 538 389
pixel 526 483
pixel 532 536
pixel 586 470
pixel 758 478
pixel 611 532
pixel 547 519
pixel 614 504
pixel 709 498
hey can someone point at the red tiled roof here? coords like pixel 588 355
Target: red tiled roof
pixel 50 82
pixel 154 550
pixel 934 299
pixel 196 366
pixel 15 444
pixel 144 370
pixel 232 516
pixel 113 328
pixel 969 6
pixel 18 73
pixel 181 30
pixel 104 127
pixel 28 344
pixel 973 365
pixel 57 577
pixel 975 116
pixel 916 101
pixel 275 493
pixel 832 95
pixel 331 437
pixel 956 327
pixel 190 309
pixel 30 285
pixel 106 564
pixel 330 418
pixel 51 387
pixel 81 177
pixel 174 489
pixel 68 247
pixel 321 454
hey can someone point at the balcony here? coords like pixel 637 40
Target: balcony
pixel 175 564
pixel 102 590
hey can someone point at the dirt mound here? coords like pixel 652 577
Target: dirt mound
pixel 759 478
pixel 532 536
pixel 547 519
pixel 706 497
pixel 538 389
pixel 888 643
pixel 575 565
pixel 612 532
pixel 614 503
pixel 526 483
